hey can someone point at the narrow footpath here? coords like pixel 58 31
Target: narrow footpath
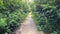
pixel 28 26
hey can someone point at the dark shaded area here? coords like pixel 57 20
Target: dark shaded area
pixel 47 16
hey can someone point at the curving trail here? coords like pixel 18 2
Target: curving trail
pixel 28 26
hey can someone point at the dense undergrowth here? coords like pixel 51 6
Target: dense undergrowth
pixel 12 12
pixel 47 16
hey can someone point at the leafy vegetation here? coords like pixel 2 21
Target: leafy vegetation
pixel 12 12
pixel 46 13
pixel 47 16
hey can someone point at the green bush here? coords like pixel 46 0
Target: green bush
pixel 12 12
pixel 47 16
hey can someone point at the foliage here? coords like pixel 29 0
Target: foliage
pixel 12 12
pixel 47 16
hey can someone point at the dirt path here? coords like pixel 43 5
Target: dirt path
pixel 27 27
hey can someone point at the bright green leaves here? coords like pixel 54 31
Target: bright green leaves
pixel 1 3
pixel 2 22
pixel 45 6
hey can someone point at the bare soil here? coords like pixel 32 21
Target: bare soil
pixel 28 27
